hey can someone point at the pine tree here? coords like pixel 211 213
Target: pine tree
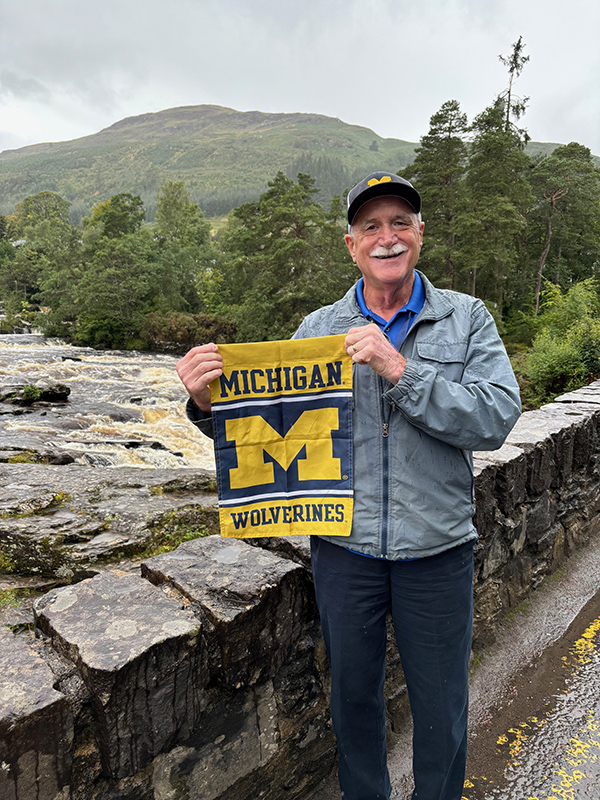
pixel 283 256
pixel 514 106
pixel 497 197
pixel 437 172
pixel 565 219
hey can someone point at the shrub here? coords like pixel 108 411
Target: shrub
pixel 563 362
pixel 179 331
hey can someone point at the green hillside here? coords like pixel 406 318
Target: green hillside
pixel 224 156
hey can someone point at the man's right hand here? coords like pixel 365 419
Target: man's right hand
pixel 197 369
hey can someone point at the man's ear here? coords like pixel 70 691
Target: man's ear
pixel 349 239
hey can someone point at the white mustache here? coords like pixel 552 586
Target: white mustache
pixel 383 252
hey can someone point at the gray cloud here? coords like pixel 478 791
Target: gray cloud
pixel 16 86
pixel 384 64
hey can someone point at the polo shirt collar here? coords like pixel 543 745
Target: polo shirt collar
pixel 415 302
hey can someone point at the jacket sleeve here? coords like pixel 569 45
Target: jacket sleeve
pixel 476 413
pixel 201 419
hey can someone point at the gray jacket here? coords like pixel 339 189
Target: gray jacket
pixel 413 442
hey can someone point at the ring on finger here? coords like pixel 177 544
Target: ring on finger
pixel 354 348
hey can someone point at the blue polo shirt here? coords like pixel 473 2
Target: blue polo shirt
pixel 397 328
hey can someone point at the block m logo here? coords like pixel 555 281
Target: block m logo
pixel 253 436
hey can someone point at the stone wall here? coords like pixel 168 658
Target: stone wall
pixel 204 676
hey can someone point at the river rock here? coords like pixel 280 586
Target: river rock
pixel 137 650
pixel 36 726
pixel 61 521
pixel 27 394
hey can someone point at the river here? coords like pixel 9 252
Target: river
pixel 124 408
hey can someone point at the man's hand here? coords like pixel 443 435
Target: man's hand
pixel 197 369
pixel 368 345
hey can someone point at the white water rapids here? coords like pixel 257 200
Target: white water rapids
pixel 124 409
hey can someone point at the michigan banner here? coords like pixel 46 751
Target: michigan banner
pixel 282 416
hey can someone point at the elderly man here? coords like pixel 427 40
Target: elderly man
pixel 432 383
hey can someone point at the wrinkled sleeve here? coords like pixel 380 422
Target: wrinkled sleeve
pixel 476 413
pixel 201 419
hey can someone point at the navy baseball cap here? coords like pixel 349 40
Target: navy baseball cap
pixel 378 184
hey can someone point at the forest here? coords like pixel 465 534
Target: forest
pixel 522 233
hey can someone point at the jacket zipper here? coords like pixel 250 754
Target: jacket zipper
pixel 385 470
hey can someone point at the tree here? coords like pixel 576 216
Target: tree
pixel 438 171
pixel 566 351
pixel 283 257
pixel 116 287
pixel 497 196
pixel 183 236
pixel 40 207
pixel 122 214
pixel 177 218
pixel 514 106
pixel 565 219
pixel 49 242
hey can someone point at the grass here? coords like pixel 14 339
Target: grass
pixel 8 599
pixel 7 564
pixel 170 541
pixel 26 457
pixel 32 393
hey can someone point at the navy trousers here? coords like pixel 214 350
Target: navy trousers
pixel 431 600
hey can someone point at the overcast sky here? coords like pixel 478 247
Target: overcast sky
pixel 71 67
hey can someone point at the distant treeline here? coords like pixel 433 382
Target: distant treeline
pixel 522 233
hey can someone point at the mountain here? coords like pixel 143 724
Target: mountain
pixel 224 156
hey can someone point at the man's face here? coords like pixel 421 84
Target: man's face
pixel 385 242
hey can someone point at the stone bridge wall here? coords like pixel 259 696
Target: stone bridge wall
pixel 205 676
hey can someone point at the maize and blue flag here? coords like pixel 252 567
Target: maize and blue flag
pixel 282 415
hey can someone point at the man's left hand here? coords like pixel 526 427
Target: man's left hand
pixel 368 345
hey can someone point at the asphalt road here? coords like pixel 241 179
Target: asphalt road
pixel 535 700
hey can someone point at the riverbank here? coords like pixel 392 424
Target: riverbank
pixel 98 465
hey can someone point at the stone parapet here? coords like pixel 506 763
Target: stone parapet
pixel 141 659
pixel 537 501
pixel 205 675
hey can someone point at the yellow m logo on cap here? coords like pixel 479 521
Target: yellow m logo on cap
pixel 375 181
pixel 253 436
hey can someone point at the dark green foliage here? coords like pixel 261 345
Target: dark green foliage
pixel 180 332
pixel 40 207
pixel 183 237
pixel 122 214
pixel 438 172
pixel 118 280
pixel 492 220
pixel 566 352
pixel 564 224
pixel 40 224
pixel 330 175
pixel 283 257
